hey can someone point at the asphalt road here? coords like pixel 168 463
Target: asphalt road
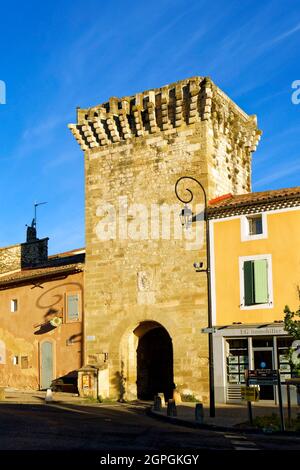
pixel 117 428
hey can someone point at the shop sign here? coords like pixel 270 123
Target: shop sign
pixel 209 330
pixel 250 393
pixel 262 377
pixel 276 331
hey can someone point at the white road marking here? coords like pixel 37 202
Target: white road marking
pixel 244 443
pixel 240 442
pixel 245 448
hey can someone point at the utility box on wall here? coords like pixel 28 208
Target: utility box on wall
pixel 88 381
pixel 93 381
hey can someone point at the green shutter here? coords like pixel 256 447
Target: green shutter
pixel 261 281
pixel 248 283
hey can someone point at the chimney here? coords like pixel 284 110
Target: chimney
pixel 31 254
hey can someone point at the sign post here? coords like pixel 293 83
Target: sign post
pixel 265 377
pixel 280 401
pixel 249 404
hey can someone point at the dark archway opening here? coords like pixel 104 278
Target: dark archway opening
pixel 155 364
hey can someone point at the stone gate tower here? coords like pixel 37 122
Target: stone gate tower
pixel 144 304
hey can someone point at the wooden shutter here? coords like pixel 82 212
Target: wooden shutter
pixel 248 283
pixel 261 281
pixel 73 307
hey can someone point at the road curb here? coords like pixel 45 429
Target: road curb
pixel 213 427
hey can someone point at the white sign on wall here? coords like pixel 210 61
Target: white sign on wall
pixel 2 352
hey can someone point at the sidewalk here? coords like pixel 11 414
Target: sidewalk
pixel 234 416
pixel 36 397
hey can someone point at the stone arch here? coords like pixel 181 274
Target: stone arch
pixel 154 361
pixel 127 375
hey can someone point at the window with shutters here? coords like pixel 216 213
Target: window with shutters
pixel 254 227
pixel 73 307
pixel 256 282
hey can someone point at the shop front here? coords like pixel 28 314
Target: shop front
pixel 239 347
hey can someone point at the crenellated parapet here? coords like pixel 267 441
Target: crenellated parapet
pixel 167 109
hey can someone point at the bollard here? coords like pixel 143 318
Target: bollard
pixel 162 398
pixel 48 397
pixel 171 409
pixel 199 413
pixel 157 403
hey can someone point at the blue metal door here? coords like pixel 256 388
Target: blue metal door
pixel 46 364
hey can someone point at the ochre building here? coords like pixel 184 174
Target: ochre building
pixel 144 303
pixel 41 300
pixel 255 272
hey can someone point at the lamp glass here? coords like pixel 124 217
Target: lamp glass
pixel 186 217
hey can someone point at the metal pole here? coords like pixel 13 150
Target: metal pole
pixel 249 404
pixel 212 409
pixel 35 211
pixel 288 392
pixel 280 401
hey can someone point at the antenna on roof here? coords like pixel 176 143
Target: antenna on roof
pixel 31 229
pixel 36 204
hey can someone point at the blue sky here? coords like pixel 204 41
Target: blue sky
pixel 56 55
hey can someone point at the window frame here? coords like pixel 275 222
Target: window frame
pixel 245 235
pixel 66 316
pixel 270 303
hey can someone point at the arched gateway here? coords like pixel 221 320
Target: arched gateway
pixel 154 361
pixel 137 266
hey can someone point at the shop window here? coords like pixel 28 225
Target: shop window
pixel 237 360
pixel 73 306
pixel 283 345
pixel 262 342
pixel 256 277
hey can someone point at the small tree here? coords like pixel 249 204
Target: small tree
pixel 292 326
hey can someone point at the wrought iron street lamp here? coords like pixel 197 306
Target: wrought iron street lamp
pixel 186 219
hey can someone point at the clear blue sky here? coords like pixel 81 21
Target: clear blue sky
pixel 56 55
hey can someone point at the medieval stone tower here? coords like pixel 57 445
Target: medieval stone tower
pixel 144 303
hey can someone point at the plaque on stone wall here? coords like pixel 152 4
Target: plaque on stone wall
pixel 143 281
pixel 145 287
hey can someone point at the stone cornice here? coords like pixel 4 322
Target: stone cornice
pixel 165 109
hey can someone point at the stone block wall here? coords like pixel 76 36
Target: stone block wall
pixel 135 149
pixel 23 255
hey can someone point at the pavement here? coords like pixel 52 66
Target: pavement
pixel 34 397
pixel 227 416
